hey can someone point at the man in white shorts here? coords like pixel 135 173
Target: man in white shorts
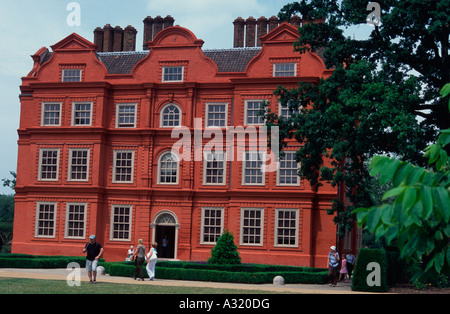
pixel 94 252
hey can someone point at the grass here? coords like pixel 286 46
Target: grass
pixel 39 286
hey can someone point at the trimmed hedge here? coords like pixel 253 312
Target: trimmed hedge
pixel 367 278
pixel 40 261
pixel 254 274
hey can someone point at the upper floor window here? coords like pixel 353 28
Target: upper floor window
pixel 285 112
pixel 172 74
pixel 216 114
pixel 284 69
pixel 253 168
pixel 287 173
pixel 71 75
pixel 168 168
pixel 123 166
pixel 126 116
pixel 48 164
pixel 82 114
pixel 214 168
pixel 51 114
pixel 252 112
pixel 78 164
pixel 170 116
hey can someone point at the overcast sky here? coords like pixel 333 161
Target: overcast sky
pixel 28 25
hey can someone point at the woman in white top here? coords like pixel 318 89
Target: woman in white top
pixel 151 258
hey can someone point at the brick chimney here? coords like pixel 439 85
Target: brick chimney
pixel 250 39
pixel 261 25
pixel 108 37
pixel 98 38
pixel 129 38
pixel 148 31
pixel 158 25
pixel 117 38
pixel 273 23
pixel 168 21
pixel 239 29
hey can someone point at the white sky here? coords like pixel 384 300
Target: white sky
pixel 28 25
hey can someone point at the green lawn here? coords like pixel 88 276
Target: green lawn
pixel 37 286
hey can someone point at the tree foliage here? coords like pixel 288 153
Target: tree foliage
pixel 370 104
pixel 416 213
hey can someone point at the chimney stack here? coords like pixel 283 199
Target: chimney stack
pixel 250 39
pixel 261 25
pixel 152 26
pixel 129 38
pixel 239 29
pixel 115 39
pixel 273 23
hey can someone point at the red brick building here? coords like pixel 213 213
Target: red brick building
pixel 96 148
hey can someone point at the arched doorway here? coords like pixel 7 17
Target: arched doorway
pixel 165 232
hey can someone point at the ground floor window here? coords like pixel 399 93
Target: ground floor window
pixel 212 224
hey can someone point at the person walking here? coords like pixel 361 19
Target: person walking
pixel 151 261
pixel 94 251
pixel 343 273
pixel 333 263
pixel 351 259
pixel 139 256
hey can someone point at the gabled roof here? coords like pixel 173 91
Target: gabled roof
pixel 227 60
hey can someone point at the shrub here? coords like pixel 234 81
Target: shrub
pixel 225 251
pixel 366 278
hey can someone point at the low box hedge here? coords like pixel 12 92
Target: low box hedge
pixel 40 261
pixel 252 274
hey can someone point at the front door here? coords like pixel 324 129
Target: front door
pixel 165 237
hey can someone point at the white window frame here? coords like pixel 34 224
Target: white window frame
pixel 165 80
pixel 207 112
pixel 177 168
pixel 260 227
pixel 116 151
pixel 277 72
pixel 43 112
pixel 281 109
pixel 262 168
pixel 206 157
pixel 38 220
pixel 74 111
pixel 83 221
pixel 161 116
pixel 296 172
pixel 64 76
pixel 113 223
pixel 246 109
pixel 41 151
pixel 277 227
pixel 124 125
pixel 208 224
pixel 71 164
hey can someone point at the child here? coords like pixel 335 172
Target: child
pixel 343 271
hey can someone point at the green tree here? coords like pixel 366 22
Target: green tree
pixel 416 212
pixel 378 88
pixel 225 251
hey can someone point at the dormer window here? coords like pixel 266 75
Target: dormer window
pixel 71 75
pixel 172 74
pixel 284 69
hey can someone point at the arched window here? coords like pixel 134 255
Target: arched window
pixel 170 116
pixel 168 168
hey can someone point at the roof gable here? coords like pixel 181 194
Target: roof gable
pixel 282 34
pixel 74 42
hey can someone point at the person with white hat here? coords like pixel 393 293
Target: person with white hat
pixel 333 263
